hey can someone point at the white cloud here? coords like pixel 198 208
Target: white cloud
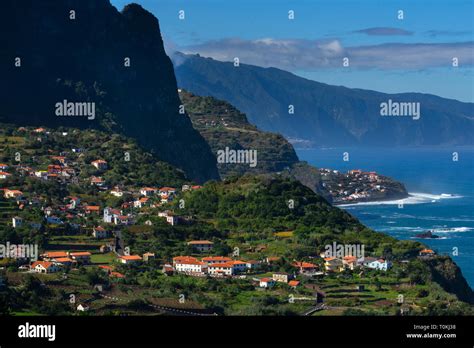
pixel 308 55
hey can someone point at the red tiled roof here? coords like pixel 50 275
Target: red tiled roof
pixel 63 259
pixel 54 254
pixel 217 258
pixel 222 265
pixel 81 253
pixel 92 207
pixel 131 257
pixel 304 264
pixel 184 258
pixel 200 242
pixel 117 275
pixel 165 189
pixel 45 264
pixel 293 283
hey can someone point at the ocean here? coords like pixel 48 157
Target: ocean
pixel 441 194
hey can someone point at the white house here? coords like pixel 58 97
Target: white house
pixel 170 217
pixel 111 214
pixel 17 221
pixel 221 269
pixel 44 267
pixel 266 282
pixel 82 307
pixel 379 264
pixel 140 203
pixel 148 191
pixel 252 264
pixel 116 191
pixel 188 264
pixel 227 268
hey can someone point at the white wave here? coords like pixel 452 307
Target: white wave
pixel 452 229
pixel 413 198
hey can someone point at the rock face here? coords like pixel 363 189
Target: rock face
pixel 87 51
pixel 426 235
pixel 324 114
pixel 446 273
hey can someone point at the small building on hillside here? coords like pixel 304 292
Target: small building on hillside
pixel 266 282
pixel 282 277
pixel 100 233
pixel 130 259
pixel 100 164
pixel 17 221
pixel 201 245
pixel 81 256
pixel 44 267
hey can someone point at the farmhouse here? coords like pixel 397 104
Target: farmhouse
pixel 188 264
pixel 379 264
pixel 81 256
pixel 167 191
pixel 148 191
pixel 99 232
pixel 130 259
pixel 216 259
pixel 100 164
pixel 201 245
pixel 305 267
pixel 266 282
pixel 44 267
pixel 332 264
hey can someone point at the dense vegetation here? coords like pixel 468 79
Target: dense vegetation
pixel 222 125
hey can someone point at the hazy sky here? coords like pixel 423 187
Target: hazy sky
pixel 385 53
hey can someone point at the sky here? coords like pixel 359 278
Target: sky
pixel 385 52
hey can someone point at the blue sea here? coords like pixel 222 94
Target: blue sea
pixel 442 194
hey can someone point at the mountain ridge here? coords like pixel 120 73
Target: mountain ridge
pixel 324 114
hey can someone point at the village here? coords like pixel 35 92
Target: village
pixel 359 186
pixel 93 231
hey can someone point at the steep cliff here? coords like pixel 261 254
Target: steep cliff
pixel 87 51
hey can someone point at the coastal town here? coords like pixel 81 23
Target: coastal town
pixel 88 226
pixel 359 186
